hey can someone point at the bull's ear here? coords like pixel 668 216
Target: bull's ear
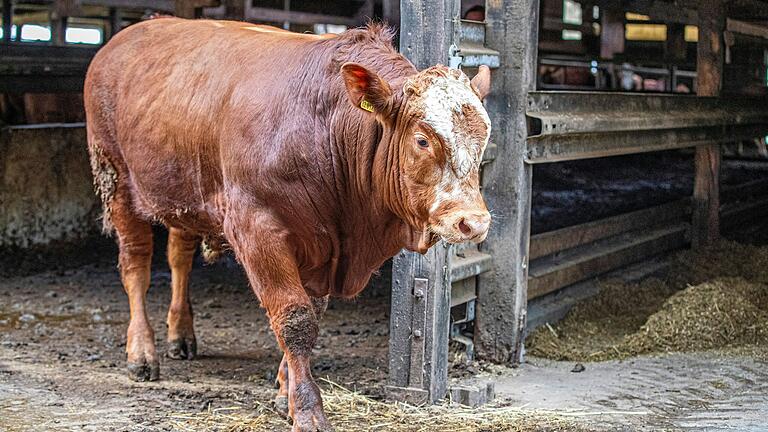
pixel 481 83
pixel 366 89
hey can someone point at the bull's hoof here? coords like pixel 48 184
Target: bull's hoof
pixel 144 371
pixel 311 420
pixel 182 349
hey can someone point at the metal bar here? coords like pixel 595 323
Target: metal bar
pixel 512 29
pixel 553 148
pixel 472 263
pixel 578 125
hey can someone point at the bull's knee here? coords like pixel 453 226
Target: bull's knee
pixel 296 329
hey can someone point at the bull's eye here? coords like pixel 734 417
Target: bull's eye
pixel 422 142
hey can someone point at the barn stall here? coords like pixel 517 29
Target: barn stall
pixel 602 166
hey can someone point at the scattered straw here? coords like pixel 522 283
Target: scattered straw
pixel 350 411
pixel 710 300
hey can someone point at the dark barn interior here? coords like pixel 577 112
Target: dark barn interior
pixel 623 284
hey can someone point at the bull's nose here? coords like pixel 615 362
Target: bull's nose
pixel 474 225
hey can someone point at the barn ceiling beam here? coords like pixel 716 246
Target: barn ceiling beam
pixel 745 28
pixel 277 15
pixel 160 5
pixel 193 8
pixel 673 12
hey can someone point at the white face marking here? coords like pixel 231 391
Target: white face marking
pixel 445 97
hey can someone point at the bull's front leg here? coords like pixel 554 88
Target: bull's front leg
pixel 319 305
pixel 260 244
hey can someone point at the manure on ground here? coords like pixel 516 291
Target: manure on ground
pixel 714 299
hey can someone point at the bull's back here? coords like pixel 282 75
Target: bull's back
pixel 165 95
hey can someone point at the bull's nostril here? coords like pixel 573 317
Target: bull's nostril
pixel 464 228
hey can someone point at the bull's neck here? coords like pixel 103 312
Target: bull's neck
pixel 369 157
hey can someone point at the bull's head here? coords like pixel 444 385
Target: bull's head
pixel 435 130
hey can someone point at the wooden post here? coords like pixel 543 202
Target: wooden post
pixel 115 23
pixel 62 9
pixel 235 9
pixel 612 33
pixel 512 29
pixel 709 77
pixel 391 12
pixel 421 285
pixel 7 20
pixel 193 8
pixel 675 45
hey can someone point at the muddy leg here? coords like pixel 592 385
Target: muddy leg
pixel 181 334
pixel 319 304
pixel 259 242
pixel 134 237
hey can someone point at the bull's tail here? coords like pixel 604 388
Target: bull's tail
pixel 104 182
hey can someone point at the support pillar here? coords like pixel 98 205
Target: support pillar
pixel 7 20
pixel 421 285
pixel 512 29
pixel 709 77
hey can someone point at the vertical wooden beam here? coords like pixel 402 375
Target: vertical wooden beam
pixel 512 29
pixel 365 13
pixel 709 77
pixel 193 8
pixel 391 12
pixel 58 30
pixel 675 45
pixel 7 20
pixel 419 325
pixel 62 9
pixel 421 285
pixel 235 9
pixel 612 33
pixel 115 23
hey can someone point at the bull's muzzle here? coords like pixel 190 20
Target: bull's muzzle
pixel 469 226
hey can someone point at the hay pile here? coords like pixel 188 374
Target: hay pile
pixel 351 411
pixel 716 299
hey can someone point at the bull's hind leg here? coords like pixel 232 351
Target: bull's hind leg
pixel 134 237
pixel 181 334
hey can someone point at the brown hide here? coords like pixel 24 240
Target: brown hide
pixel 204 118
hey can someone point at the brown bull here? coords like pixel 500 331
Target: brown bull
pixel 315 158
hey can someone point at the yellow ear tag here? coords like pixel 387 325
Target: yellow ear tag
pixel 364 104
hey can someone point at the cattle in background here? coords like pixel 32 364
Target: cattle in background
pixel 315 158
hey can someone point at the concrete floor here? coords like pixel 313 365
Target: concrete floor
pixel 689 392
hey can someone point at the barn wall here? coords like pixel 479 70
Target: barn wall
pixel 46 191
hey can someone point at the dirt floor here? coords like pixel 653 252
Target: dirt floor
pixel 63 317
pixel 61 368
